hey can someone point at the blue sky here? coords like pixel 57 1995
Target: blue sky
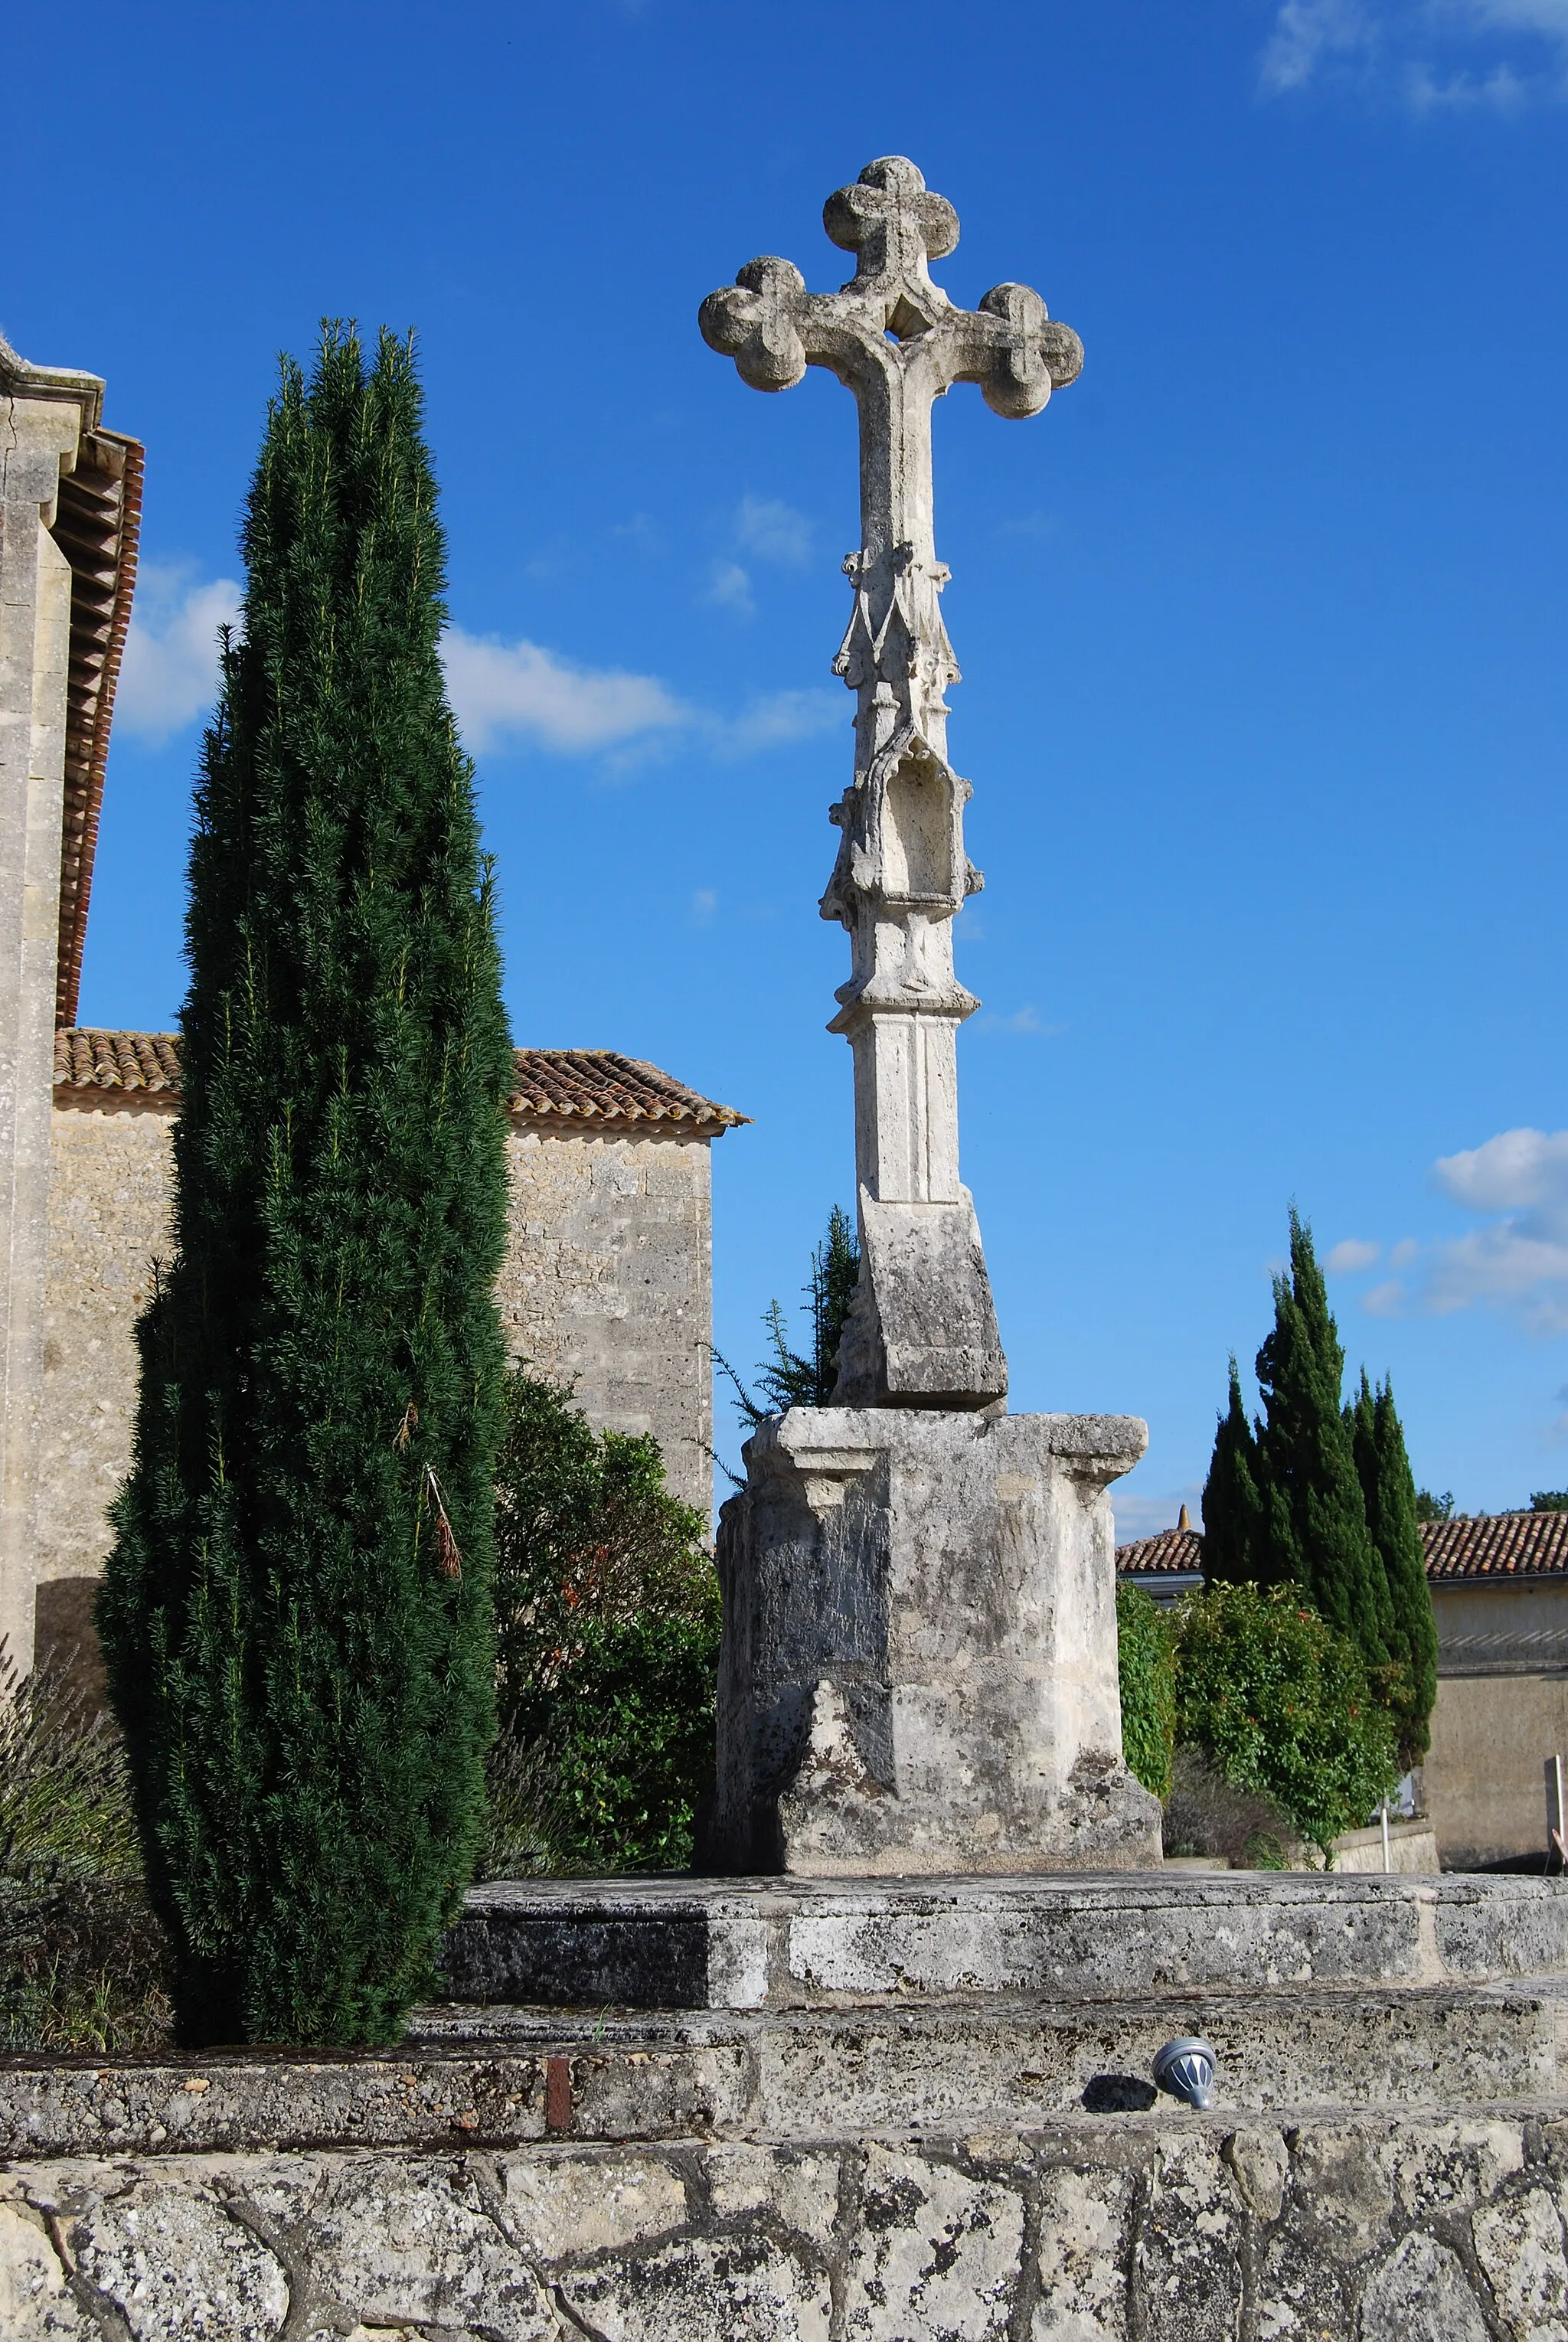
pixel 1261 623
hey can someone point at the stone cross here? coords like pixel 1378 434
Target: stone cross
pixel 923 1330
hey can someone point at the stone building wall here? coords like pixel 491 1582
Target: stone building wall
pixel 108 1220
pixel 607 1282
pixel 1502 1710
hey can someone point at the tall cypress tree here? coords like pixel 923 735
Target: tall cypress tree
pixel 297 1611
pixel 1236 1511
pixel 1317 1529
pixel 1388 1491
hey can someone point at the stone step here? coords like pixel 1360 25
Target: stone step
pixel 936 2070
pixel 773 1943
pixel 1020 2061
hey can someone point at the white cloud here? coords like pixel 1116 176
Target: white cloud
pixel 510 691
pixel 1498 54
pixel 170 673
pixel 774 720
pixel 1518 1171
pixel 774 530
pixel 1518 1262
pixel 705 903
pixel 1549 17
pixel 1309 33
pixel 730 588
pixel 1347 1258
pixel 504 695
pixel 1027 1019
pixel 766 529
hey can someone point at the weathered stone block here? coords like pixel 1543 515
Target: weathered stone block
pixel 394 2239
pixel 922 1331
pixel 561 2205
pixel 172 2261
pixel 1519 2244
pixel 1421 2294
pixel 1086 2223
pixel 737 1943
pixel 703 2289
pixel 35 2305
pixel 919 1665
pixel 1187 2282
pixel 938 2253
pixel 1168 2226
pixel 799 2188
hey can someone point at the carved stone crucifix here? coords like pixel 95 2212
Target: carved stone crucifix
pixel 924 1330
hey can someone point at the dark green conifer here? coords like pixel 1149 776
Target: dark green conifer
pixel 788 1379
pixel 298 1612
pixel 1317 1529
pixel 1388 1490
pixel 1235 1548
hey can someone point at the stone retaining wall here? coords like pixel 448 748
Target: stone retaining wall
pixel 1167 2228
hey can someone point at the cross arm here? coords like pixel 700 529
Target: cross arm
pixel 774 328
pixel 1009 345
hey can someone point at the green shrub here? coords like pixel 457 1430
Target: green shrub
pixel 82 1957
pixel 1280 1704
pixel 1146 1665
pixel 608 1619
pixel 630 1735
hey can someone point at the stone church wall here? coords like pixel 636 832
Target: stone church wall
pixel 108 1220
pixel 607 1281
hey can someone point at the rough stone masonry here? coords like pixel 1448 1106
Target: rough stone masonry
pixel 920 2113
pixel 919 1669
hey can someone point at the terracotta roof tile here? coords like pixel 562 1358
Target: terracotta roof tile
pixel 597 1085
pixel 1508 1545
pixel 1504 1545
pixel 588 1085
pixel 116 1061
pixel 97 526
pixel 1172 1551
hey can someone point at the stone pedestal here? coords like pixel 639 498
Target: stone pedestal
pixel 919 1665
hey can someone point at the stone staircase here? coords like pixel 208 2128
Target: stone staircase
pixel 688 2111
pixel 784 2009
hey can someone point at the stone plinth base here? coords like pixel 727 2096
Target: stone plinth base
pixel 919 1664
pixel 787 1943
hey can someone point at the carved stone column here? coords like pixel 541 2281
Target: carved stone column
pixel 924 1331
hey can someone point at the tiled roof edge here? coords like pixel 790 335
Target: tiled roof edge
pixel 79 852
pixel 586 1087
pixel 1491 1549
